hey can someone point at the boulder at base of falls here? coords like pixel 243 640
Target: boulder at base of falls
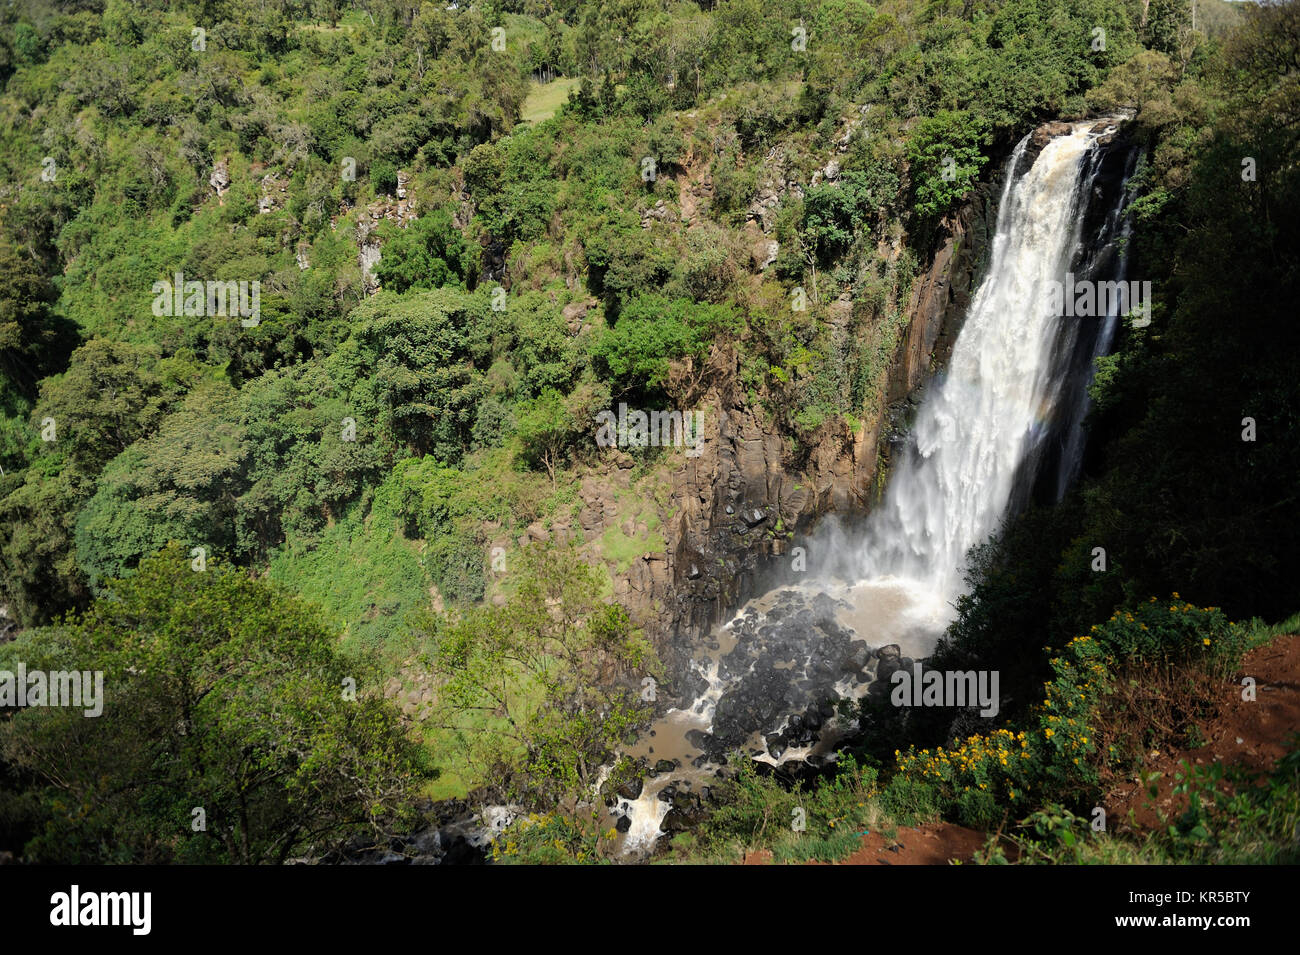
pixel 889 662
pixel 632 788
pixel 699 739
pixel 857 658
pixel 680 820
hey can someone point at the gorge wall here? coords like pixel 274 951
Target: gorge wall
pixel 733 511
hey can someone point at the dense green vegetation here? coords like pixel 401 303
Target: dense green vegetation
pixel 228 732
pixel 361 460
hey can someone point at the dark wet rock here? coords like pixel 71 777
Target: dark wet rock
pixel 699 739
pixel 665 766
pixel 784 666
pixel 631 789
pixel 624 823
pixel 683 818
pixel 858 656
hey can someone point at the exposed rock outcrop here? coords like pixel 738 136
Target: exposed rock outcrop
pixel 733 508
pixel 220 179
pixel 941 294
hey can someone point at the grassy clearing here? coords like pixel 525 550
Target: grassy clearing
pixel 545 99
pixel 1259 633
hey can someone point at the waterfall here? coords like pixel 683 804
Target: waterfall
pixel 1001 391
pixel 1103 256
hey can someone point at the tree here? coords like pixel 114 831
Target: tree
pixel 424 353
pixel 219 693
pixel 946 153
pixel 540 691
pixel 653 333
pixel 180 484
pixel 429 253
pixel 32 342
pixel 112 394
pixel 546 429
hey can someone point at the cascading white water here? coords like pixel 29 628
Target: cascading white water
pixel 975 429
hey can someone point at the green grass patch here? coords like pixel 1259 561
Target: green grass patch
pixel 808 848
pixel 545 99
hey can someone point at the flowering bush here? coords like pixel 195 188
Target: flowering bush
pixel 1079 726
pixel 1005 767
pixel 1173 633
pixel 553 838
pixel 1169 656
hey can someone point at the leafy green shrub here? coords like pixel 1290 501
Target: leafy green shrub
pixel 383 176
pixel 946 155
pixel 1103 685
pixel 429 253
pixel 547 429
pixel 734 183
pixel 765 111
pixel 1160 634
pixel 456 560
pixel 1170 656
pixel 537 692
pixel 755 811
pixel 553 838
pixel 220 691
pixel 653 332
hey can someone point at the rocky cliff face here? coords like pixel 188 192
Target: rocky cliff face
pixel 941 294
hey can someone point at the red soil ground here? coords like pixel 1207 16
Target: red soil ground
pixel 1251 735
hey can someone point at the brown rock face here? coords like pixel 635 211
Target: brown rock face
pixel 942 293
pixel 727 503
pixel 1046 132
pixel 730 508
